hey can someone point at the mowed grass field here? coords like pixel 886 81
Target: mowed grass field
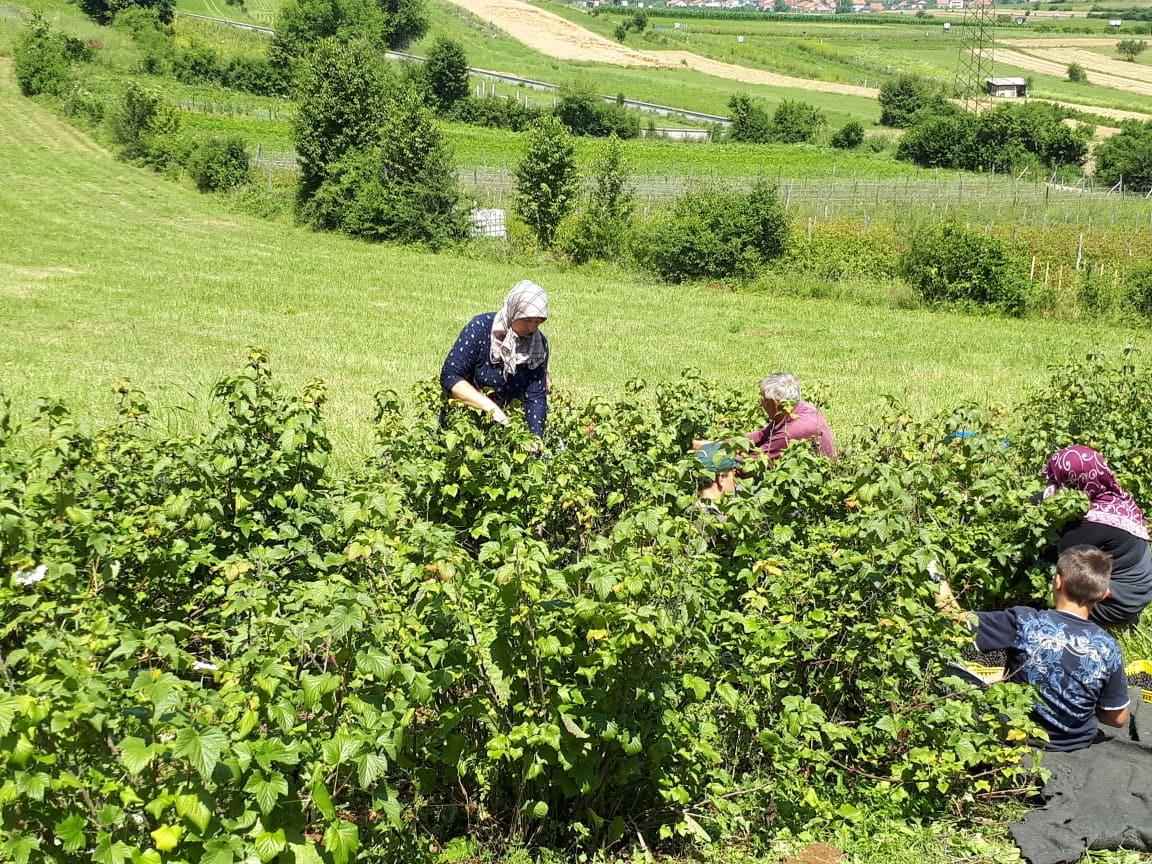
pixel 108 271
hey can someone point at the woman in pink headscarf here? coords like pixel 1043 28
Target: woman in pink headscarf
pixel 1114 524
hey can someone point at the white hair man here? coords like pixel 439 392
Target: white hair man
pixel 789 419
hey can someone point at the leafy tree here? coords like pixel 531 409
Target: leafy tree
pixel 849 136
pixel 717 234
pixel 780 6
pixel 639 21
pixel 546 178
pixel 750 122
pixel 1076 73
pixel 621 32
pixel 586 113
pixel 383 24
pixel 843 7
pixel 599 231
pixel 901 98
pixel 342 107
pixel 941 141
pixel 40 59
pixel 139 121
pixel 402 189
pixel 1127 157
pixel 103 11
pixel 1131 48
pixel 219 163
pixel 446 73
pixel 795 122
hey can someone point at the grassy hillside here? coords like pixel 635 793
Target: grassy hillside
pixel 109 271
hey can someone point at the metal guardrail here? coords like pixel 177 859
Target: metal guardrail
pixel 504 77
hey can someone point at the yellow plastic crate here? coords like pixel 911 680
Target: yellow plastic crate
pixel 1135 668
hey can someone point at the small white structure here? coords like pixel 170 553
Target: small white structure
pixel 947 26
pixel 1115 23
pixel 739 40
pixel 1008 88
pixel 489 223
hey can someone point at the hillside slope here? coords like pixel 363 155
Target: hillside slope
pixel 108 271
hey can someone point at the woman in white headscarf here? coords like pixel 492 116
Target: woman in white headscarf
pixel 502 356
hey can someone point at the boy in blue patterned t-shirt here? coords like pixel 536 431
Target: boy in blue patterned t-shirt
pixel 1074 665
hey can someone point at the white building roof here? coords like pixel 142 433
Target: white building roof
pixel 1007 82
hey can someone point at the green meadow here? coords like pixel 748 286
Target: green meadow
pixel 108 271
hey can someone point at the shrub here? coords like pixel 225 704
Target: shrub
pixel 1076 73
pixel 257 75
pixel 903 97
pixel 198 64
pixel 1129 49
pixel 495 112
pixel 716 235
pixel 1127 157
pixel 849 136
pixel 1138 287
pixel 546 178
pixel 750 122
pixel 600 230
pixel 342 107
pixel 446 73
pixel 219 163
pixel 40 60
pixel 954 264
pixel 139 122
pixel 585 113
pixel 104 11
pixel 152 36
pixel 403 189
pixel 383 24
pixel 943 141
pixel 795 122
pixel 354 666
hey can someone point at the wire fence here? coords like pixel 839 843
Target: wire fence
pixel 933 195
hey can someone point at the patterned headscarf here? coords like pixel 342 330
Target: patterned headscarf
pixel 1082 468
pixel 525 300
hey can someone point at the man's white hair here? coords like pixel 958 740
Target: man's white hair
pixel 780 387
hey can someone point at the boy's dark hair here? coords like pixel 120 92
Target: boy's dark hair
pixel 1086 571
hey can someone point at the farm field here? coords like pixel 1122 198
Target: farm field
pixel 109 271
pixel 130 276
pixel 858 53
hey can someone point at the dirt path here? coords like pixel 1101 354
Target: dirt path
pixel 558 37
pixel 1095 42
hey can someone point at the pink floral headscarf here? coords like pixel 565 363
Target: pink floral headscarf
pixel 1082 468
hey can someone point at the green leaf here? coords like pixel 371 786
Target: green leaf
pixel 167 837
pixel 321 798
pixel 269 844
pixel 342 839
pixel 8 707
pixel 374 662
pixel 193 808
pixel 70 832
pixel 371 767
pixel 136 754
pixel 201 748
pixel 108 852
pixel 148 856
pixel 573 730
pixel 305 853
pixel 267 790
pixel 218 852
pixel 19 849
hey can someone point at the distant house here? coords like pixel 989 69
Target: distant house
pixel 1008 88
